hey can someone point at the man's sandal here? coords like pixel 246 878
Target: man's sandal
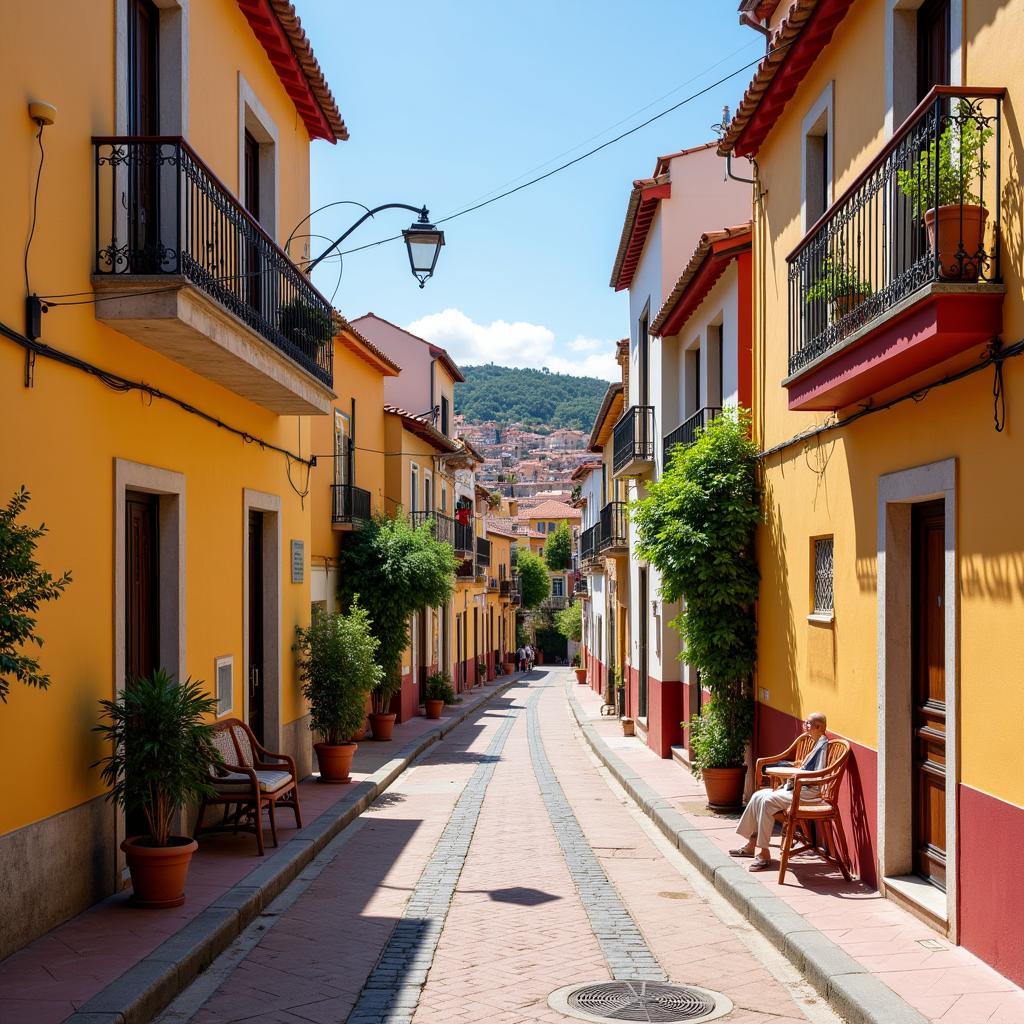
pixel 759 864
pixel 741 851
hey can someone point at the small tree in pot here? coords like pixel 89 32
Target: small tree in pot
pixel 338 669
pixel 397 570
pixel 439 692
pixel 161 754
pixel 697 528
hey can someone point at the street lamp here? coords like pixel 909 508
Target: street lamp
pixel 422 239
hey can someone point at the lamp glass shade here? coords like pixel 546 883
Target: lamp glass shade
pixel 424 243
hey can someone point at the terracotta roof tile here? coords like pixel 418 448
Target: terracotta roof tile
pixel 550 510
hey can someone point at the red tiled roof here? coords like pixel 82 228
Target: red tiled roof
pixel 643 203
pixel 663 161
pixel 614 391
pixel 496 527
pixel 583 469
pixel 550 510
pixel 801 36
pixel 365 347
pixel 713 253
pixel 423 428
pixel 276 25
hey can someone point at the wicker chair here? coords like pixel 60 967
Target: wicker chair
pixel 796 753
pixel 252 778
pixel 824 811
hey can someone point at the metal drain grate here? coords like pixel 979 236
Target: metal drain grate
pixel 640 1000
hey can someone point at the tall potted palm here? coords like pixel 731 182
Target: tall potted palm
pixel 338 669
pixel 161 753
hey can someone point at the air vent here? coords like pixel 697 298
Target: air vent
pixel 640 1001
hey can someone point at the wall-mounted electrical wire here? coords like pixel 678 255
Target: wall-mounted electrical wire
pixel 35 205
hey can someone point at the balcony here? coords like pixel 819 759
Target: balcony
pixel 183 268
pixel 492 584
pixel 556 602
pixel 686 433
pixel 505 588
pixel 633 442
pixel 463 539
pixel 442 527
pixel 614 529
pixel 350 506
pixel 581 587
pixel 899 283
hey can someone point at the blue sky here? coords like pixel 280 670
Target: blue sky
pixel 449 101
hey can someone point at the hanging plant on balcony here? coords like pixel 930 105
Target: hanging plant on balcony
pixel 838 285
pixel 940 186
pixel 305 324
pixel 697 528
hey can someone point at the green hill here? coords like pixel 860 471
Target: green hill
pixel 531 397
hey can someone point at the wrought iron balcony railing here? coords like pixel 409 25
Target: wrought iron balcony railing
pixel 443 527
pixel 686 432
pixel 925 211
pixel 590 542
pixel 556 601
pixel 161 212
pixel 633 438
pixel 581 586
pixel 463 538
pixel 505 588
pixel 349 504
pixel 614 529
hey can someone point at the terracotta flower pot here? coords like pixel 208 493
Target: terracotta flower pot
pixel 843 304
pixel 581 675
pixel 433 708
pixel 627 726
pixel 335 761
pixel 724 787
pixel 508 667
pixel 953 225
pixel 383 726
pixel 158 872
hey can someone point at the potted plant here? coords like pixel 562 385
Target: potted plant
pixel 718 741
pixel 508 664
pixel 940 186
pixel 338 669
pixel 161 754
pixel 839 286
pixel 306 325
pixel 481 672
pixel 439 692
pixel 395 570
pixel 697 527
pixel 581 672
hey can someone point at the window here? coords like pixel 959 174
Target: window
pixel 823 569
pixel 444 498
pixel 552 527
pixel 428 496
pixel 558 586
pixel 414 487
pixel 444 415
pixel 224 672
pixel 817 163
pixel 342 448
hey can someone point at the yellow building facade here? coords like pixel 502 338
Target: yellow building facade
pixel 160 418
pixel 891 594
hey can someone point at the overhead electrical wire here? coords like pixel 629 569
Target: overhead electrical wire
pixel 589 153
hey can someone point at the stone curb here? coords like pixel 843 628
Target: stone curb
pixel 852 991
pixel 143 991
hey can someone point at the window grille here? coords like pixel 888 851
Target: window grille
pixel 823 572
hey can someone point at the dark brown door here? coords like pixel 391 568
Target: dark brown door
pixel 142 599
pixel 143 120
pixel 256 624
pixel 928 712
pixel 253 282
pixel 642 624
pixel 933 49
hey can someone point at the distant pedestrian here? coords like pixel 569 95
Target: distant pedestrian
pixel 521 658
pixel 530 655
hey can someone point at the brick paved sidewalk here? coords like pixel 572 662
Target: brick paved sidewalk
pixel 949 986
pixel 50 978
pixel 517 927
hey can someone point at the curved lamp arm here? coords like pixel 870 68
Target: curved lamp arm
pixel 421 210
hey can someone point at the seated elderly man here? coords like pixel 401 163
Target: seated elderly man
pixel 758 819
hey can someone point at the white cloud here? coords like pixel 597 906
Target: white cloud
pixel 516 344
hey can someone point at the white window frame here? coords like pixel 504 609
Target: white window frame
pixel 818 121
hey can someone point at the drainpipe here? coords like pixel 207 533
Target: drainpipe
pixel 735 177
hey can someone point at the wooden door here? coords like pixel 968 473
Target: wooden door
pixel 933 46
pixel 928 712
pixel 253 280
pixel 255 612
pixel 143 96
pixel 142 586
pixel 642 624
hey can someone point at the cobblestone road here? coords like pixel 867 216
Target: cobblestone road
pixel 500 868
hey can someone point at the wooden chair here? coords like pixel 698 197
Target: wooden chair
pixel 252 778
pixel 824 811
pixel 796 752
